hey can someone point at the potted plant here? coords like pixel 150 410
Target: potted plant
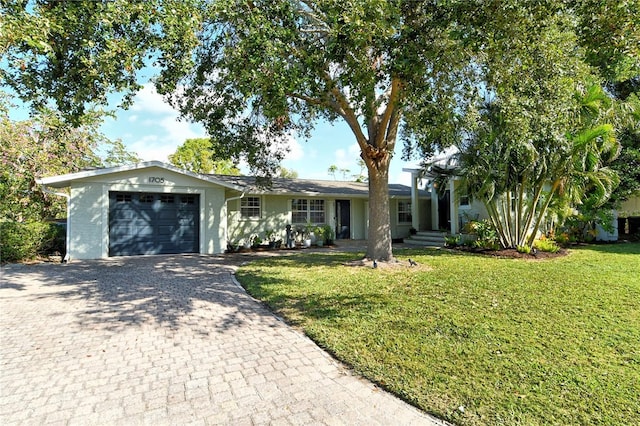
pixel 318 231
pixel 270 235
pixel 256 241
pixel 328 234
pixel 247 242
pixel 307 234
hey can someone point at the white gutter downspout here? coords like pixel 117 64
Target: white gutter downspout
pixel 226 229
pixel 67 257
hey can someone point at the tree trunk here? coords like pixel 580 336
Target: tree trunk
pixel 379 239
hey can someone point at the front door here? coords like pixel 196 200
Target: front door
pixel 444 211
pixel 343 219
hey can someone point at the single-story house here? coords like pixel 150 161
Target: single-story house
pixel 156 208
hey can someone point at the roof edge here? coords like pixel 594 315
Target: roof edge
pixel 66 179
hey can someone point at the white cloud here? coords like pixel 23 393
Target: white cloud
pixel 178 131
pixel 296 152
pixel 153 131
pixel 148 100
pixel 348 159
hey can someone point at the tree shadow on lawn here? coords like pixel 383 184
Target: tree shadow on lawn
pixel 174 291
pixel 314 305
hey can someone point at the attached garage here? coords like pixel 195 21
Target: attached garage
pixel 153 223
pixel 144 209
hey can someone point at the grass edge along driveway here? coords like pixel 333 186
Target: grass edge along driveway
pixel 472 339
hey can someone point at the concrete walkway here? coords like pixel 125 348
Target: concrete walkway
pixel 166 340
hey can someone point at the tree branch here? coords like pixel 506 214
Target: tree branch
pixel 390 110
pixel 308 99
pixel 342 107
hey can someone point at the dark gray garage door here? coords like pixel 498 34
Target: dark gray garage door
pixel 150 223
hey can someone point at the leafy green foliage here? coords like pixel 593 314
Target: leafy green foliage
pixel 452 240
pixel 627 165
pixel 77 52
pixel 199 156
pixel 610 33
pixel 45 146
pixel 26 241
pixel 545 244
pixel 487 236
pixel 517 175
pixel 285 173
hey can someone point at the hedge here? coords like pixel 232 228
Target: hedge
pixel 26 241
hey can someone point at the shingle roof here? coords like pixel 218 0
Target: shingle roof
pixel 308 187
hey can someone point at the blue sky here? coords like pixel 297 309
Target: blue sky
pixel 150 127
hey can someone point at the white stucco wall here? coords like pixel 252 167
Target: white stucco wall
pixel 86 221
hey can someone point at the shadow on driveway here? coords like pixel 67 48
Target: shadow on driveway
pixel 120 292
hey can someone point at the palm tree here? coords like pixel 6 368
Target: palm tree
pixel 517 178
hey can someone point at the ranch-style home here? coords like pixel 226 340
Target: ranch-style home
pixel 156 208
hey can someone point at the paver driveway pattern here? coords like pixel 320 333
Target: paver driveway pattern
pixel 165 340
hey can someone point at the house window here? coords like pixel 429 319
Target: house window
pixel 404 212
pixel 167 199
pixel 250 207
pixel 464 201
pixel 303 211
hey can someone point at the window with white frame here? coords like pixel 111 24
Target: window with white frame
pixel 464 200
pixel 404 212
pixel 307 210
pixel 250 207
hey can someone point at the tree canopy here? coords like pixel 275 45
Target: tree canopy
pixel 45 146
pixel 199 156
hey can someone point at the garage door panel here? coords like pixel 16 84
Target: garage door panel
pixel 166 214
pixel 166 230
pixel 151 223
pixel 143 231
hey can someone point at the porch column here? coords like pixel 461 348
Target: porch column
pixel 434 207
pixel 415 212
pixel 453 207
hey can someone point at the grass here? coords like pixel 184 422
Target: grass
pixel 477 340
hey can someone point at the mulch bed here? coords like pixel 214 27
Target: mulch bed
pixel 513 253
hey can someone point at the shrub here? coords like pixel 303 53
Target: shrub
pixel 452 240
pixel 524 249
pixel 26 241
pixel 328 234
pixel 562 239
pixel 487 235
pixel 546 245
pixel 255 243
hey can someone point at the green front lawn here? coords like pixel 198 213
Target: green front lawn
pixel 477 340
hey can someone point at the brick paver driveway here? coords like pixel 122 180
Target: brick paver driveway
pixel 165 339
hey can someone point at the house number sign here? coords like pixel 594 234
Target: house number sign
pixel 156 179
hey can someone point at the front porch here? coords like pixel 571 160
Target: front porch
pixel 445 216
